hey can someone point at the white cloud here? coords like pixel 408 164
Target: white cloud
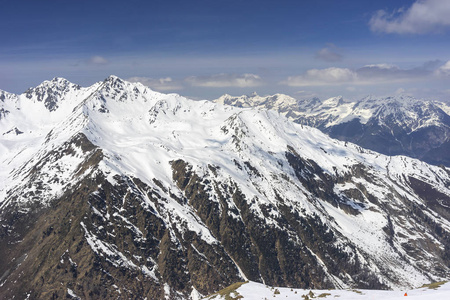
pixel 322 77
pixel 329 54
pixel 367 75
pixel 382 66
pixel 98 60
pixel 161 84
pixel 225 80
pixel 385 73
pixel 444 70
pixel 424 16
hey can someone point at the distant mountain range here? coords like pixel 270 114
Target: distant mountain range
pixel 117 191
pixel 399 125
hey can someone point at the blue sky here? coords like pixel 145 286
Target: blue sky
pixel 203 49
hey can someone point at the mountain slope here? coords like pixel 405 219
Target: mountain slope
pixel 257 291
pixel 393 126
pixel 125 192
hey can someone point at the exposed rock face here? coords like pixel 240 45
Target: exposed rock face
pixel 127 193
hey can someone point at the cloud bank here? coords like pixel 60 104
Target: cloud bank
pixel 97 60
pixel 367 75
pixel 424 16
pixel 444 70
pixel 225 80
pixel 222 80
pixel 320 77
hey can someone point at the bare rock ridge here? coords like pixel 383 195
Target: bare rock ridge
pixel 117 191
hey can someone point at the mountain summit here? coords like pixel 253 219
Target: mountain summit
pixel 117 191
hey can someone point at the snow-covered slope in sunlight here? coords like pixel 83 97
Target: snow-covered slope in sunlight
pixel 31 123
pixel 399 125
pixel 258 291
pixel 191 196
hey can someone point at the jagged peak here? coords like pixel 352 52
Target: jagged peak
pixel 60 80
pixel 57 83
pixel 113 79
pixel 51 92
pixel 5 95
pixel 308 104
pixel 115 83
pixel 254 100
pixel 397 98
pixel 253 94
pixel 398 102
pixel 118 83
pixel 333 101
pixel 402 98
pixel 252 97
pixel 283 100
pixel 122 90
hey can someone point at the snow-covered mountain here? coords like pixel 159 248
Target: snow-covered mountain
pixel 399 125
pixel 117 191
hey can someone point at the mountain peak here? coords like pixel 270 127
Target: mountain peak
pixel 60 80
pixel 116 88
pixel 51 92
pixel 57 83
pixel 280 101
pixel 114 79
pixel 115 83
pixel 333 102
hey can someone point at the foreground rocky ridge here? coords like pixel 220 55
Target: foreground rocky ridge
pixel 123 192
